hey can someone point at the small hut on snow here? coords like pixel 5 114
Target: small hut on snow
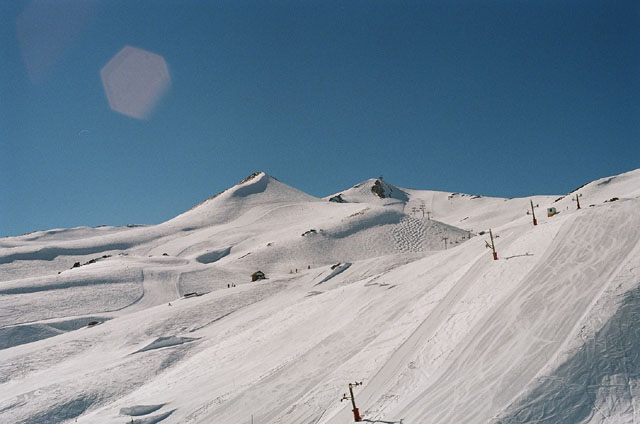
pixel 258 275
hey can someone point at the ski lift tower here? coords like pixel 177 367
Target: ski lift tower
pixel 356 413
pixel 492 246
pixel 422 208
pixel 533 212
pixel 577 200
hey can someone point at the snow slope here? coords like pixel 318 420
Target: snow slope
pixel 359 289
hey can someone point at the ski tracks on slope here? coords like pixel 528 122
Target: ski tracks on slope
pixel 378 386
pixel 159 285
pixel 511 345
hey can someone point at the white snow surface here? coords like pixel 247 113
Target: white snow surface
pixel 357 290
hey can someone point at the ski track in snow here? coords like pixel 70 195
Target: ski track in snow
pixel 160 286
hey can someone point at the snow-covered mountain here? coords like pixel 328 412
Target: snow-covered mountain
pixel 163 323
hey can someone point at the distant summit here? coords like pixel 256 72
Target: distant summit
pixel 256 189
pixel 244 180
pixel 251 177
pixel 385 190
pixel 372 190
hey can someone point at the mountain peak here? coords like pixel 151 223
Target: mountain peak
pixel 384 190
pixel 256 190
pixel 373 189
pixel 252 176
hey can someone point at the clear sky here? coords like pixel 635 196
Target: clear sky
pixel 498 97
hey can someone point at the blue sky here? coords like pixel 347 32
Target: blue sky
pixel 505 98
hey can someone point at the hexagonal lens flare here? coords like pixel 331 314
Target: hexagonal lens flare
pixel 134 80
